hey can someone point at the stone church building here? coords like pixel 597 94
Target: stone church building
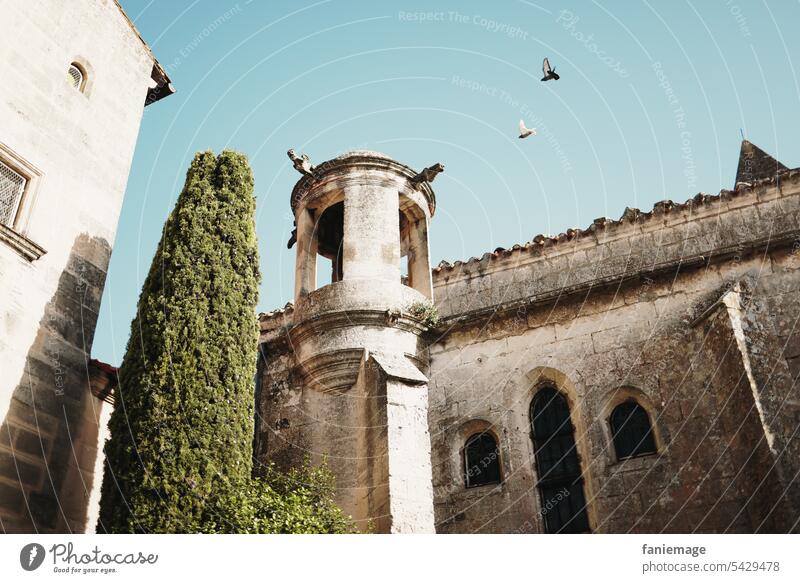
pixel 635 376
pixel 638 375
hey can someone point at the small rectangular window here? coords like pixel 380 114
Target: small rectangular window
pixel 12 186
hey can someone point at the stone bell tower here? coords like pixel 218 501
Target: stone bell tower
pixel 356 340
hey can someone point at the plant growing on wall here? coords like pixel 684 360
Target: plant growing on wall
pixel 179 458
pixel 425 311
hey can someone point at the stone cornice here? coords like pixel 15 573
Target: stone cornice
pixel 329 372
pixel 345 319
pixel 635 273
pixel 21 244
pixel 363 160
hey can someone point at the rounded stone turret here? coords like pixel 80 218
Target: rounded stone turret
pixel 354 338
pixel 367 216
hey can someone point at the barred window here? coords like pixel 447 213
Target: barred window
pixel 12 185
pixel 481 461
pixel 557 464
pixel 630 426
pixel 75 76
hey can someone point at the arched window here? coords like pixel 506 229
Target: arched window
pixel 481 460
pixel 76 76
pixel 631 430
pixel 330 242
pixel 560 482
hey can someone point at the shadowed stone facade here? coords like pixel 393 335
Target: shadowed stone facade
pixel 72 140
pixel 688 311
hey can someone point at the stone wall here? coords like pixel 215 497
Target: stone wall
pixel 640 307
pixel 82 144
pixel 690 309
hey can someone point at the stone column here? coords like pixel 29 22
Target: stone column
pixel 305 275
pixel 371 232
pixel 419 263
pixel 396 475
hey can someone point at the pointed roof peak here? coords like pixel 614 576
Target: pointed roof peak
pixel 755 164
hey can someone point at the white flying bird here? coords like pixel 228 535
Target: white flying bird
pixel 525 132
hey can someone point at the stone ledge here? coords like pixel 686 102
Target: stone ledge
pixel 398 367
pixel 21 244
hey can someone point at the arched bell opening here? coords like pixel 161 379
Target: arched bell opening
pixel 330 242
pixel 319 234
pixel 415 268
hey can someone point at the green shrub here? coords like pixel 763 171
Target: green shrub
pixel 425 311
pixel 300 502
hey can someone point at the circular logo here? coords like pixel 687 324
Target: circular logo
pixel 31 556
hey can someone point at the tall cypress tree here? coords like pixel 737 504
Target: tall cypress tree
pixel 182 426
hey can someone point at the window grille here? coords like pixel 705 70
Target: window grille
pixel 557 463
pixel 75 77
pixel 12 185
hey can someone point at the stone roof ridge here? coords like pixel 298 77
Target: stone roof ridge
pixel 289 307
pixel 629 216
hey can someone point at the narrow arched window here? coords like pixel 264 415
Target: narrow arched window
pixel 76 76
pixel 481 460
pixel 558 466
pixel 631 430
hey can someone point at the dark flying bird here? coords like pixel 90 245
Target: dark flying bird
pixel 525 132
pixel 548 72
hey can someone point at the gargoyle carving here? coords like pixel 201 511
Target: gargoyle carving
pixel 302 164
pixel 427 175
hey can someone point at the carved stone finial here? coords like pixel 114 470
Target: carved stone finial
pixel 427 175
pixel 302 164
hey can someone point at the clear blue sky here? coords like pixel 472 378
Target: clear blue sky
pixel 649 106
